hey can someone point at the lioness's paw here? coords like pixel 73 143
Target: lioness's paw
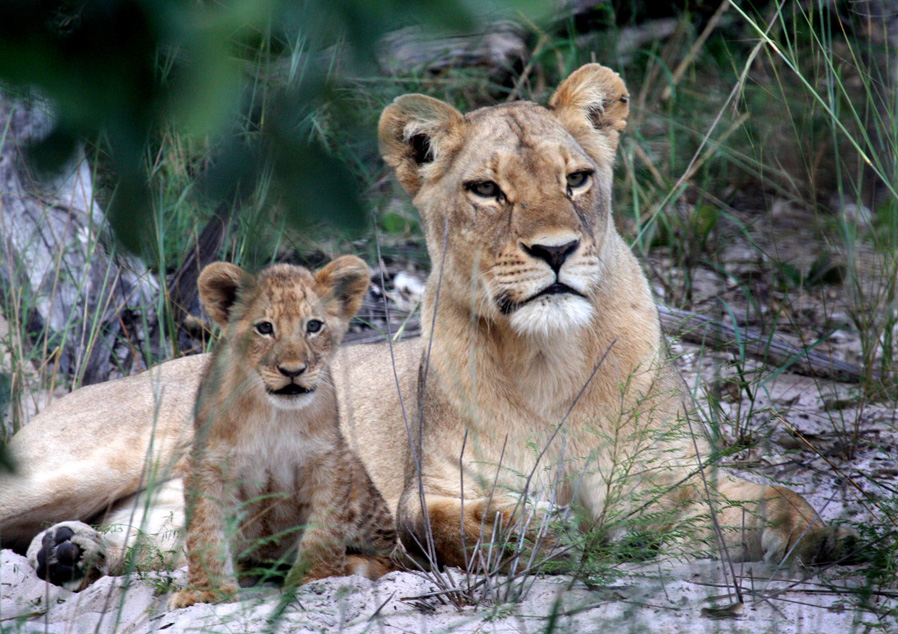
pixel 825 545
pixel 838 544
pixel 539 505
pixel 190 596
pixel 69 554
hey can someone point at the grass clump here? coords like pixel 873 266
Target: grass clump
pixel 757 182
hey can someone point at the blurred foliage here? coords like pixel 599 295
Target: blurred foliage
pixel 6 463
pixel 5 398
pixel 118 70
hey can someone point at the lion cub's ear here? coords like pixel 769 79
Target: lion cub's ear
pixel 344 281
pixel 218 285
pixel 415 131
pixel 593 99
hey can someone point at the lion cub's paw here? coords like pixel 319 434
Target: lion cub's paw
pixel 372 567
pixel 302 574
pixel 69 554
pixel 190 596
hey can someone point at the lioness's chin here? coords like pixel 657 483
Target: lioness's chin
pixel 552 315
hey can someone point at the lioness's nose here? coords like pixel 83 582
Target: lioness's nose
pixel 553 255
pixel 291 373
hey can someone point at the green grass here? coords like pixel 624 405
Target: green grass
pixel 760 127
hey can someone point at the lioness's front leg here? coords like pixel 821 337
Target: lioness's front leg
pixel 757 522
pixel 455 527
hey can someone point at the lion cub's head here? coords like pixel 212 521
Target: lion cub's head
pixel 282 326
pixel 520 194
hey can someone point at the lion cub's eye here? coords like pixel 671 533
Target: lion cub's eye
pixel 314 326
pixel 486 189
pixel 264 328
pixel 577 180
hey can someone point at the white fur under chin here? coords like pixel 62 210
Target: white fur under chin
pixel 293 402
pixel 552 315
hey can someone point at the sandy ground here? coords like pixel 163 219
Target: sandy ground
pixel 651 597
pixel 823 439
pixel 655 596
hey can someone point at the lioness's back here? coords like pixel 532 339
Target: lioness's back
pixel 90 448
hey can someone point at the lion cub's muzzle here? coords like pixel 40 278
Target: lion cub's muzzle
pixel 291 395
pixel 292 389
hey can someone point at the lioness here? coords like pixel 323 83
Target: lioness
pixel 541 354
pixel 267 445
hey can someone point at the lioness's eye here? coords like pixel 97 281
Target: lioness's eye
pixel 264 328
pixel 577 179
pixel 314 326
pixel 486 189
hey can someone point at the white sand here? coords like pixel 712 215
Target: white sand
pixel 650 597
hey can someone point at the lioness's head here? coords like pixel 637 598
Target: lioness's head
pixel 520 193
pixel 283 325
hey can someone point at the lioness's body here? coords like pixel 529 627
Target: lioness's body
pixel 540 316
pixel 84 456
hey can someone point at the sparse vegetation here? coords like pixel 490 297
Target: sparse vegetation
pixel 757 181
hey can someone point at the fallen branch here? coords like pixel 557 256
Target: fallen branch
pixel 694 328
pixel 770 349
pixel 183 295
pixel 81 306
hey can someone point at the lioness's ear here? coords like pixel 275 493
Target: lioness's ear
pixel 414 131
pixel 592 104
pixel 344 281
pixel 218 284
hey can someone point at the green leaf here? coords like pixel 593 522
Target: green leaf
pixel 316 186
pixel 6 462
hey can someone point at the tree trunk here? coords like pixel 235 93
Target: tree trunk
pixel 60 280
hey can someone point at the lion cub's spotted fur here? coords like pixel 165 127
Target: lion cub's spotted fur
pixel 268 451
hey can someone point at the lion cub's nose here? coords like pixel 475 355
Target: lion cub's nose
pixel 291 373
pixel 553 255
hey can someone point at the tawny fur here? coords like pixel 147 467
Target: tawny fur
pixel 268 461
pixel 493 371
pixel 503 364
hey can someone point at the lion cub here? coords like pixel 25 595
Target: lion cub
pixel 270 474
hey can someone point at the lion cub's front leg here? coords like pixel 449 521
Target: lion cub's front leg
pixel 348 512
pixel 210 571
pixel 322 549
pixel 322 554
